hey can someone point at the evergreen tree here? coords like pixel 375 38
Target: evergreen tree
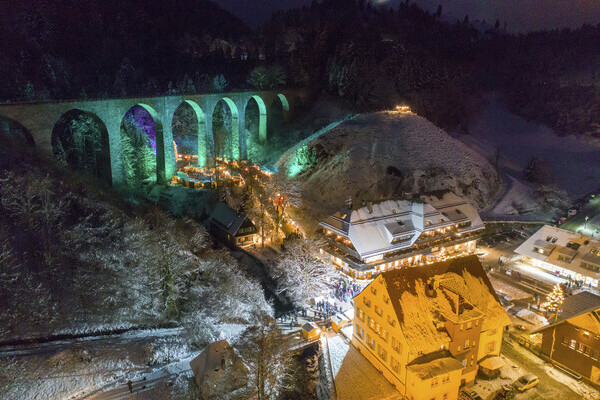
pixel 60 154
pixel 554 299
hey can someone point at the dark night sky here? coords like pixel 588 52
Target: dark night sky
pixel 521 15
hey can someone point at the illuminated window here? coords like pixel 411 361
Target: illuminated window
pixel 360 314
pixel 469 325
pixel 572 344
pixel 384 335
pixel 371 342
pixel 466 344
pixel 359 331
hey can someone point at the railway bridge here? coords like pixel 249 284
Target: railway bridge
pixel 39 121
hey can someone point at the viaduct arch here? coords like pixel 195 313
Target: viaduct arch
pixel 40 118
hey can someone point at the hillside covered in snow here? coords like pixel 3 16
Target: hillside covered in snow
pixel 387 154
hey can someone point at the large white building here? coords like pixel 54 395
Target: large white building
pixel 564 253
pixel 393 233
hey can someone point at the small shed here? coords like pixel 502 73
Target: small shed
pixel 218 371
pixel 338 321
pixel 490 366
pixel 311 331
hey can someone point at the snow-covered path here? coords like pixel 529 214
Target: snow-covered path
pixel 355 378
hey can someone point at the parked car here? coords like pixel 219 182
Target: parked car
pixel 526 382
pixel 469 394
pixel 506 392
pixel 521 327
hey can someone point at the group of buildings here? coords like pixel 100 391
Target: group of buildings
pixel 431 329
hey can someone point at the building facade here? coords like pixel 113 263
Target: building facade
pixel 425 329
pixel 391 234
pixel 564 253
pixel 573 341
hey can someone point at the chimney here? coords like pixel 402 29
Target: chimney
pixel 430 288
pixel 370 207
pixel 349 203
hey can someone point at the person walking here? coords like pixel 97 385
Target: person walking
pixel 130 386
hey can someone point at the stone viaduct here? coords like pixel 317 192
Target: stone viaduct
pixel 39 120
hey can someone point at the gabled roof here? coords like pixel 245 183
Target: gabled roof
pixel 227 218
pixel 462 292
pixel 581 309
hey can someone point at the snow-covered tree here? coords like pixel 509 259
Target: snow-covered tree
pixel 219 83
pixel 301 274
pixel 554 299
pixel 265 351
pixel 140 160
pixel 264 78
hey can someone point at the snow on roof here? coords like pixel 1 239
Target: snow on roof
pixel 210 362
pixel 435 367
pixel 372 228
pixel 309 326
pixel 461 280
pixel 227 218
pixel 553 241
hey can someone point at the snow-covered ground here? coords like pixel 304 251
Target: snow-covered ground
pixel 355 377
pixel 576 161
pixel 100 365
pixel 378 155
pixel 554 385
pixel 511 292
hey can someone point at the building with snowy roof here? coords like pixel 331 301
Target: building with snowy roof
pixel 232 227
pixel 394 233
pixel 426 329
pixel 560 252
pixel 218 371
pixel 573 339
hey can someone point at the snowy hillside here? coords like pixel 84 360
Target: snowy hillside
pixel 386 154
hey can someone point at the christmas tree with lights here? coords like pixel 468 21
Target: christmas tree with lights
pixel 554 299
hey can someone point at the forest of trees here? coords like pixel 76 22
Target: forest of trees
pixel 368 57
pixel 76 255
